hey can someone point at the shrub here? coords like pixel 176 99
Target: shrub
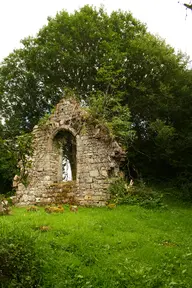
pixel 186 191
pixel 118 190
pixel 20 262
pixel 138 194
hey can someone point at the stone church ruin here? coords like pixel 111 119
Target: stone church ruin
pixel 73 160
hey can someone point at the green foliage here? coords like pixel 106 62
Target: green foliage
pixel 19 258
pixel 163 133
pixel 118 189
pixel 9 199
pixel 44 120
pixel 8 165
pixel 185 190
pixel 131 80
pixel 23 142
pixel 13 151
pixel 109 111
pixel 24 151
pixel 139 194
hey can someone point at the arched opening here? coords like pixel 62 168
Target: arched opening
pixel 66 145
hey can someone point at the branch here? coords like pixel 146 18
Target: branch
pixel 189 6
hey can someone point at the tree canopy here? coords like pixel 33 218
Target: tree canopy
pixel 130 78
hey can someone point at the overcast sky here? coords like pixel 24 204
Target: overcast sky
pixel 21 18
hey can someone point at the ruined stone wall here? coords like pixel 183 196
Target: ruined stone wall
pixel 97 159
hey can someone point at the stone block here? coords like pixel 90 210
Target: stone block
pixel 40 169
pixel 88 180
pixel 97 198
pixel 21 187
pixel 103 172
pixel 94 173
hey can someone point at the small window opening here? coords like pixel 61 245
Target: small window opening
pixel 67 147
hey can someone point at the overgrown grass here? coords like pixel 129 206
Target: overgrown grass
pixel 128 246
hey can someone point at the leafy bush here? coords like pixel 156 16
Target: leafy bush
pixel 19 259
pixel 139 194
pixel 118 190
pixel 186 191
pixel 181 188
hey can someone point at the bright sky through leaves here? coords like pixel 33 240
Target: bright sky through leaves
pixel 21 18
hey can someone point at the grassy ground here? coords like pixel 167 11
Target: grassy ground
pixel 97 247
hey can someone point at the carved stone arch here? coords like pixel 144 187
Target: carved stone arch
pixel 54 131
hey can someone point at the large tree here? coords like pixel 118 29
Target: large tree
pixel 111 62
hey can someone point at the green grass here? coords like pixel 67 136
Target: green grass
pixel 97 247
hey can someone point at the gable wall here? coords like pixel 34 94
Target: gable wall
pixel 96 156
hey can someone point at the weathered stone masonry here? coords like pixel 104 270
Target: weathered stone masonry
pixel 97 158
